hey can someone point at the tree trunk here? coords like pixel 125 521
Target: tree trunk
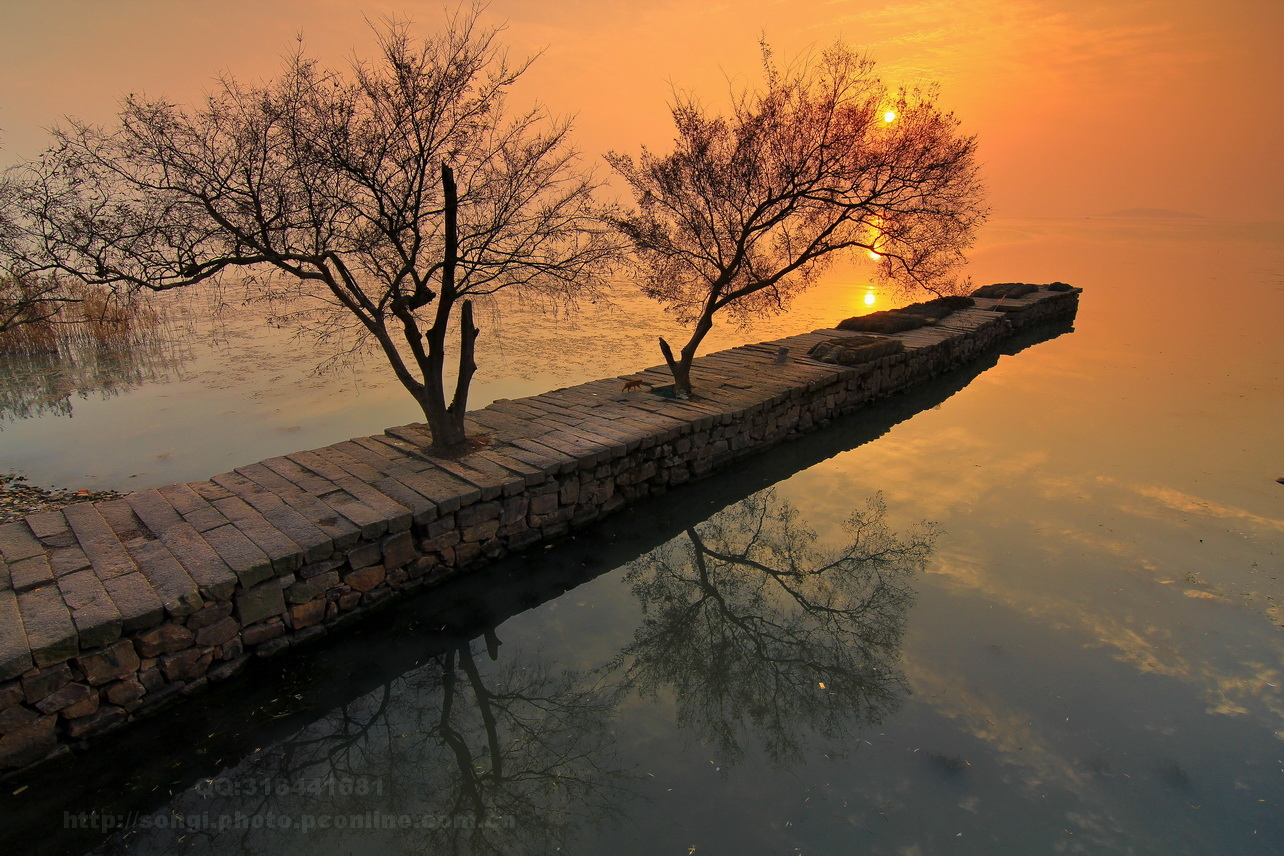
pixel 467 361
pixel 447 423
pixel 681 371
pixel 681 366
pixel 447 428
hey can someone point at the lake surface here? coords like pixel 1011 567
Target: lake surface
pixel 1031 609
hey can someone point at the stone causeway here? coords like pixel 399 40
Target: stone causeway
pixel 111 610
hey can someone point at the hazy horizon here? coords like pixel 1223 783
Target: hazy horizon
pixel 1080 110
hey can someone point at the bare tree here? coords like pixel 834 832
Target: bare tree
pixel 389 194
pixel 823 159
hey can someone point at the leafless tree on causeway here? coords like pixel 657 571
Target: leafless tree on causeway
pixel 390 194
pixel 822 159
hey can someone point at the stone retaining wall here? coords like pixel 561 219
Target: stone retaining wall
pixel 110 610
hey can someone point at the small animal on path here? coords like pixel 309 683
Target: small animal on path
pixel 636 384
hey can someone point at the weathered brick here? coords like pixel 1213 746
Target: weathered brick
pixel 441 542
pixel 151 678
pixel 153 510
pixel 510 529
pixel 129 530
pixel 51 528
pixel 230 650
pixel 68 695
pixel 313 569
pixel 250 564
pixel 364 555
pixel 186 665
pixel 478 513
pixel 394 516
pixel 203 564
pixel 209 491
pixel 307 614
pixel 260 633
pixel 38 684
pixel 368 522
pixel 171 582
pixel 286 555
pixel 17 542
pixel 27 574
pixel 542 505
pixel 229 669
pixel 480 531
pixel 398 550
pixel 209 614
pixel 137 602
pixel 421 567
pixel 15 717
pixel 194 508
pixel 84 707
pixel 555 519
pixel 29 743
pixel 273 646
pixel 114 661
pixel 365 578
pixel 107 555
pixel 15 653
pixel 521 540
pixel 97 620
pixel 125 693
pixel 260 602
pixel 423 509
pixel 305 590
pixel 165 639
pixel 515 508
pixel 51 634
pixel 11 693
pixel 376 596
pixel 466 553
pixel 217 633
pixel 441 526
pixel 315 542
pixel 68 560
pixel 104 719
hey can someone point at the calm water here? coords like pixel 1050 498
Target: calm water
pixel 1034 609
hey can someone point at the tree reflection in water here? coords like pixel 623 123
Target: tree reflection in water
pixel 756 629
pixel 46 383
pixel 514 758
pixel 535 756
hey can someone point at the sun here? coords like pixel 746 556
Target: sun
pixel 889 116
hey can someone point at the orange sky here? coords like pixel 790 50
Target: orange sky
pixel 1081 108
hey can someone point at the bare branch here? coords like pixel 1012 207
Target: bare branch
pixel 332 179
pixel 750 208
